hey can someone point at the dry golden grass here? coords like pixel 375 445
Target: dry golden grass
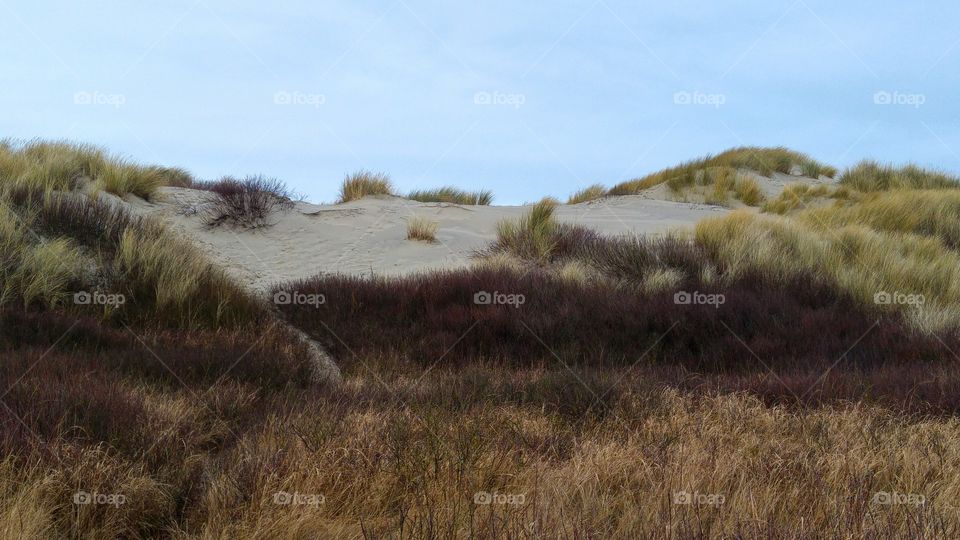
pixel 860 260
pixel 923 212
pixel 873 176
pixel 590 193
pixel 65 166
pixel 422 228
pixel 798 195
pixel 748 191
pixel 363 184
pixel 361 467
pixel 765 161
pixel 54 245
pixel 122 178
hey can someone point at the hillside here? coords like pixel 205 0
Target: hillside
pixel 632 365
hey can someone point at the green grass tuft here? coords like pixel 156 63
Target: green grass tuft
pixel 452 195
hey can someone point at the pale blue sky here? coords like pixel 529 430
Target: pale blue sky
pixel 526 99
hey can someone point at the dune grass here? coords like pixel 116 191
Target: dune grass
pixel 363 184
pixel 122 178
pixel 422 228
pixel 872 176
pixel 747 191
pixel 66 166
pixel 799 195
pixel 764 161
pixel 861 261
pixel 59 244
pixel 531 236
pixel 929 213
pixel 33 271
pixel 590 193
pixel 452 195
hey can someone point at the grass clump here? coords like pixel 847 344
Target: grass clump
pixel 246 203
pixel 365 183
pixel 872 176
pixel 533 236
pixel 748 191
pixel 859 261
pixel 67 166
pixel 173 176
pixel 453 195
pixel 122 178
pixel 794 196
pixel 927 213
pixel 590 193
pixel 422 228
pixel 57 244
pixel 34 270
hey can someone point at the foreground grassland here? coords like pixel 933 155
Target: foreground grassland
pixel 780 372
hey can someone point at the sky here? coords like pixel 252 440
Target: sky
pixel 527 99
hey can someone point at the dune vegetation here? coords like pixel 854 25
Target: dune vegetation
pixel 784 372
pixel 452 195
pixel 872 176
pixel 718 169
pixel 588 193
pixel 422 228
pixel 364 184
pixel 246 203
pixel 66 166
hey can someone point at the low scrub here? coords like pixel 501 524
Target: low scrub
pixel 452 195
pixel 533 316
pixel 363 184
pixel 246 203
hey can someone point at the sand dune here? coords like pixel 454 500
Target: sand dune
pixel 369 236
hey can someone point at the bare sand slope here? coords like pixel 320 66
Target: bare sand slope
pixel 369 236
